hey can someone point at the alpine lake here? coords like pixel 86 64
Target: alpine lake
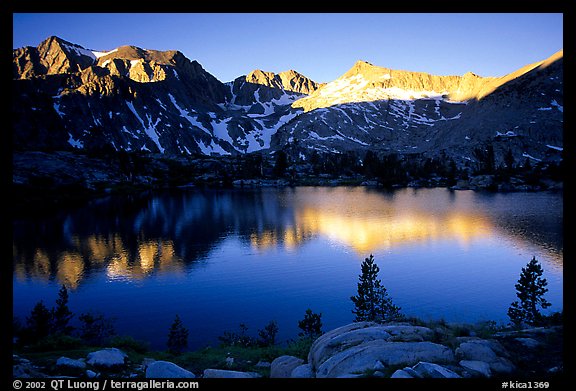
pixel 221 257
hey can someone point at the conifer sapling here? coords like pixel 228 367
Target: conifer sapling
pixel 530 289
pixel 177 337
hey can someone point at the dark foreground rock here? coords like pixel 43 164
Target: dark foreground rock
pixel 363 349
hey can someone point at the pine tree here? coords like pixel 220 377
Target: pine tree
pixel 530 289
pixel 177 337
pixel 61 314
pixel 509 160
pixel 268 334
pixel 39 322
pixel 95 329
pixel 386 310
pixel 372 302
pixel 281 164
pixel 311 325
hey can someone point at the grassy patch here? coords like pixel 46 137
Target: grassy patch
pixel 127 343
pixel 244 358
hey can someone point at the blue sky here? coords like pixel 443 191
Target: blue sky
pixel 320 46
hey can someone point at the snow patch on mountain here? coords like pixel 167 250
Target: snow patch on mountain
pixel 357 88
pixel 80 51
pixel 102 54
pixel 220 128
pixel 149 129
pixel 75 143
pixel 210 148
pixel 316 136
pixel 531 157
pixel 186 115
pixel 57 109
pixel 557 105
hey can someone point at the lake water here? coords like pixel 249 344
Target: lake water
pixel 219 258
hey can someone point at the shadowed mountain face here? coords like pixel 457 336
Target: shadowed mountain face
pixel 417 113
pixel 132 99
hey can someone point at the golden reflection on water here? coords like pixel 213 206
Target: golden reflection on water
pixel 70 270
pixel 367 234
pixel 110 252
pixel 40 269
pixel 100 248
pixel 289 239
pixel 363 220
pixel 152 255
pixel 368 222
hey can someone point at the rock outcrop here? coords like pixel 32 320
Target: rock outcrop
pixel 476 367
pixel 363 349
pixel 365 346
pixel 227 374
pixel 166 369
pixel 435 371
pixel 284 365
pixel 107 358
pixel 403 350
pixel 302 371
pixel 70 366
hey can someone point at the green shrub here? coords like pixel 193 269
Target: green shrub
pixel 96 328
pixel 299 348
pixel 230 338
pixel 311 325
pixel 127 342
pixel 267 335
pixel 57 342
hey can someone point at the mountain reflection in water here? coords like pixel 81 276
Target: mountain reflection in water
pixel 132 237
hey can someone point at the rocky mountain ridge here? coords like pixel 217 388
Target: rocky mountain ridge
pixel 66 97
pixel 410 113
pixel 133 99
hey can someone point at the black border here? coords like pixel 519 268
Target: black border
pixel 431 6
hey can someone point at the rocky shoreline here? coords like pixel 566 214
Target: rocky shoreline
pixel 60 178
pixel 356 350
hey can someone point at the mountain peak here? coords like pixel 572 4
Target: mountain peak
pixel 54 55
pixel 53 38
pixel 362 64
pixel 259 76
pixel 365 68
pixel 70 49
pixel 291 73
pixel 288 80
pixel 132 53
pixel 470 74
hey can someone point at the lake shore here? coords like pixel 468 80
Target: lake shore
pixel 451 350
pixel 52 179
